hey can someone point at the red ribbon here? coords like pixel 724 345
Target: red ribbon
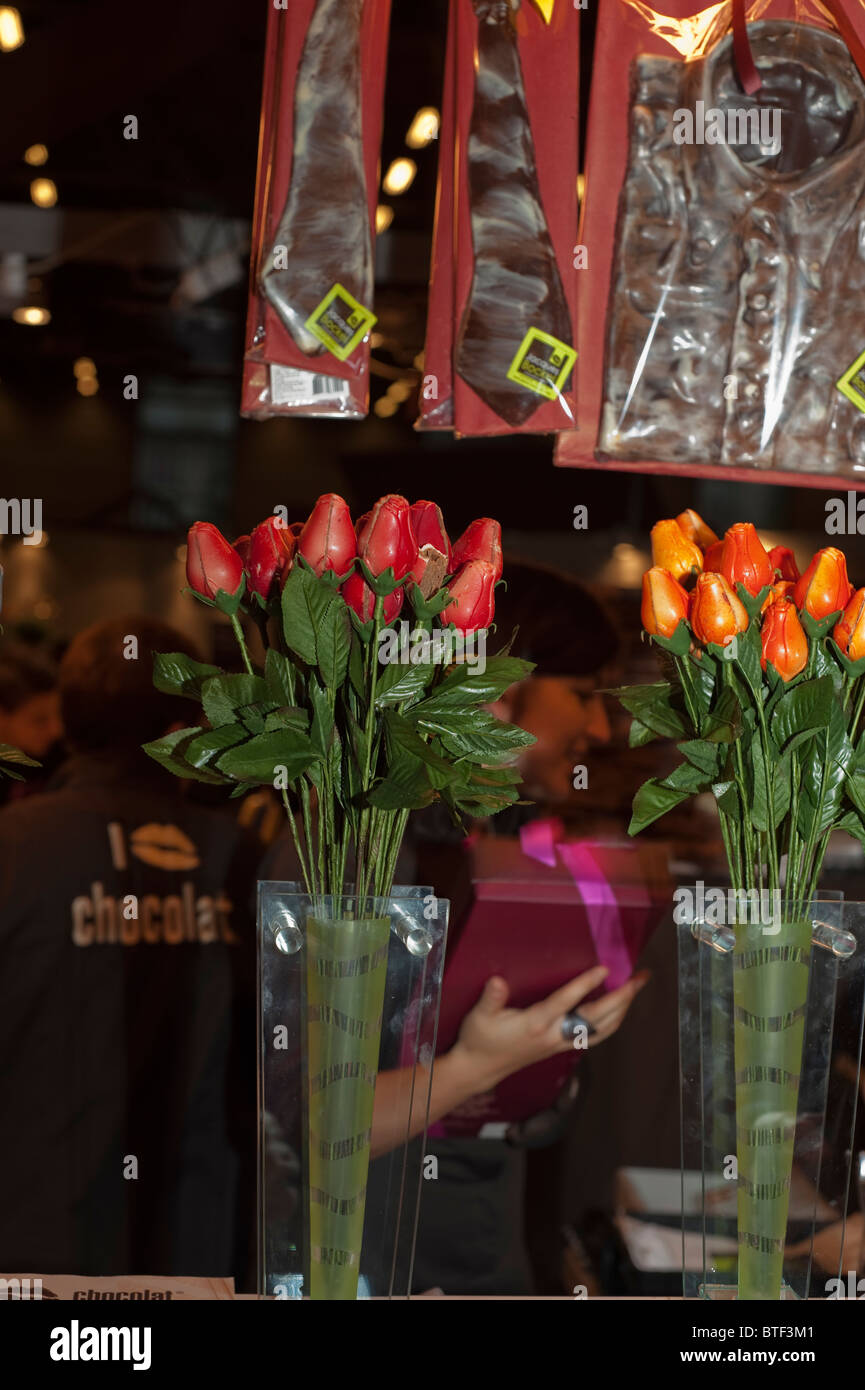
pixel 746 68
pixel 848 32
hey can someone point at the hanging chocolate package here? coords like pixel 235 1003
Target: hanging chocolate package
pixel 721 330
pixel 516 92
pixel 311 292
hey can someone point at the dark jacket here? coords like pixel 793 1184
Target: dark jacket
pixel 126 965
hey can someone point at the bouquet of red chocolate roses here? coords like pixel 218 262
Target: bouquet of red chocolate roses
pixel 370 701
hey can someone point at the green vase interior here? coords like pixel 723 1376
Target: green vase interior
pixel 346 970
pixel 770 995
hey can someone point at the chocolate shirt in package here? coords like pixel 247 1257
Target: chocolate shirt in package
pixel 736 299
pixel 515 342
pixel 323 238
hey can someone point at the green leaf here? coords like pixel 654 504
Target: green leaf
pixel 727 796
pixel 204 746
pixel 404 743
pixel 222 696
pixel 168 752
pixel 652 705
pixel 853 668
pixel 724 722
pixel 8 754
pixel 808 706
pixel 702 754
pixel 333 643
pixel 489 741
pixel 399 684
pixel 259 758
pixel 286 717
pixel 747 659
pixel 406 787
pixel 467 686
pixel 824 773
pixel 680 642
pixel 280 677
pixel 651 802
pixel 640 734
pixel 704 677
pixel 305 602
pixel 355 668
pixel 175 673
pixel 322 727
pixel 687 778
pixel 851 824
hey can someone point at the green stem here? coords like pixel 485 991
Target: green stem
pixel 294 835
pixel 241 642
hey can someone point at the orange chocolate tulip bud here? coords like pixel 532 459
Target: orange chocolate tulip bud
pixel 665 603
pixel 849 631
pixel 783 561
pixel 783 640
pixel 824 587
pixel 744 559
pixel 692 525
pixel 673 551
pixel 782 588
pixel 712 558
pixel 717 614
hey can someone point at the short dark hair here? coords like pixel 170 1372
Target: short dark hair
pixel 108 700
pixel 562 626
pixel 24 672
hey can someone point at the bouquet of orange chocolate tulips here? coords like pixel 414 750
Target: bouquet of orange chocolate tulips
pixel 763 694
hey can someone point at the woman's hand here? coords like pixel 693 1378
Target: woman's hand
pixel 495 1041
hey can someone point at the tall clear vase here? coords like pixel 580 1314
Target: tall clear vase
pixel 767 1011
pixel 349 993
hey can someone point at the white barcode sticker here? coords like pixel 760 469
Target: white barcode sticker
pixel 288 386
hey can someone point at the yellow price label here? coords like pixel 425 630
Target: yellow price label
pixel 545 8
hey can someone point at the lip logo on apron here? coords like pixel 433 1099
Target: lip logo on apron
pixel 164 847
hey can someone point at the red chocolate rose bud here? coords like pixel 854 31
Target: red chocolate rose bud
pixel 360 597
pixel 717 614
pixel 849 631
pixel 327 540
pixel 211 563
pixel 673 551
pixel 692 525
pixel 783 560
pixel 386 539
pixel 783 640
pixel 429 528
pixel 472 592
pixel 824 587
pixel 480 541
pixel 665 603
pixel 744 559
pixel 241 545
pixel 271 549
pixel 712 558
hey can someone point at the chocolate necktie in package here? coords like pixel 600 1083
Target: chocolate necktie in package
pixel 510 296
pixel 310 306
pixel 724 233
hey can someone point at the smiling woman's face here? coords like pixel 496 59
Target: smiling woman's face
pixel 566 716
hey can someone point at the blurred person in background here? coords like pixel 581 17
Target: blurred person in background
pixel 126 962
pixel 29 714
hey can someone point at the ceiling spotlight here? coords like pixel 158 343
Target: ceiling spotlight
pixel 383 218
pixel 11 28
pixel 84 367
pixel 32 315
pixel 43 192
pixel 424 128
pixel 36 155
pixel 87 386
pixel 402 389
pixel 385 406
pixel 399 177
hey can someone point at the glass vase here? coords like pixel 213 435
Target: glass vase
pixel 766 1009
pixel 348 998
